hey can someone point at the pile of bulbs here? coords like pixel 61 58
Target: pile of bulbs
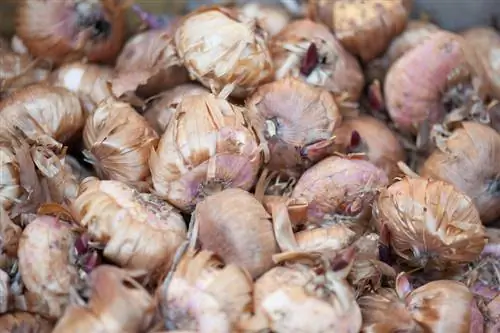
pixel 248 168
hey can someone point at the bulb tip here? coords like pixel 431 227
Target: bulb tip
pixel 355 139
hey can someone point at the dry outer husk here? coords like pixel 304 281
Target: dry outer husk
pixel 235 225
pixel 138 231
pixel 379 144
pixel 163 108
pixel 226 53
pixel 336 70
pixel 297 120
pixel 118 142
pixel 4 44
pixel 438 306
pixel 416 83
pixel 24 322
pixel 88 81
pixel 42 113
pixel 448 310
pixel 20 188
pixel 368 272
pixel 45 264
pixel 21 299
pixel 18 71
pixel 116 304
pixel 383 312
pixel 486 42
pixel 204 295
pixel 207 146
pixel 271 18
pixel 10 233
pixel 468 160
pixel 431 223
pixel 10 182
pixel 327 240
pixel 148 64
pixel 488 301
pixel 36 25
pixel 340 187
pixel 296 299
pixel 415 33
pixel 365 28
pixel 57 176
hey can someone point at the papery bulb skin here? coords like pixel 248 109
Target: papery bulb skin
pixel 117 303
pixel 148 64
pixel 43 112
pixel 438 306
pixel 118 142
pixel 383 311
pixel 21 190
pixel 365 28
pixel 239 230
pixel 137 230
pixel 488 301
pixel 331 66
pixel 207 147
pixel 88 81
pixel 414 34
pixel 441 306
pixel 224 50
pixel 486 42
pixel 296 300
pixel 68 30
pixel 339 187
pixel 416 83
pixel 369 270
pixel 328 239
pixel 18 71
pixel 205 295
pixel 366 134
pixel 275 278
pixel 468 161
pixel 298 122
pixel 45 264
pixel 163 108
pixel 58 177
pixel 10 189
pixel 24 322
pixel 431 223
pixel 272 19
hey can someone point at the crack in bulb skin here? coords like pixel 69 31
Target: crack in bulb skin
pixel 91 16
